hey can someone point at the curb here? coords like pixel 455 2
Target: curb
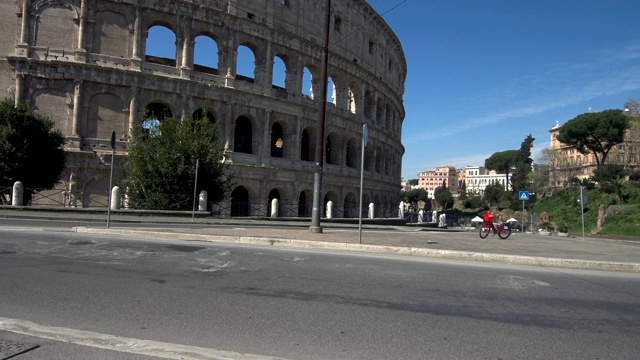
pixel 381 249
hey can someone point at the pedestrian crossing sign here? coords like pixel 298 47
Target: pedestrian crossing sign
pixel 523 195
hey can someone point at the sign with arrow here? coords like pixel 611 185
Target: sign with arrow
pixel 523 195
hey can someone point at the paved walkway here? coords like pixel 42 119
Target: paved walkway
pixel 521 248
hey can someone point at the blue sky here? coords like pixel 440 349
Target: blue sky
pixel 483 74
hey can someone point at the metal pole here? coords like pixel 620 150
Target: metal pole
pixel 195 187
pixel 524 229
pixel 322 103
pixel 582 210
pixel 364 142
pixel 113 156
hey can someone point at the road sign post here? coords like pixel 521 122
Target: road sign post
pixel 524 196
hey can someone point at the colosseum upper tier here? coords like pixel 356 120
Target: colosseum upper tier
pixel 90 65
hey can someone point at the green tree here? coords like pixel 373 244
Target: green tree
pixel 494 194
pixel 502 161
pixel 161 164
pixel 520 177
pixel 413 182
pixel 443 197
pixel 31 149
pixel 414 196
pixel 463 192
pixel 595 132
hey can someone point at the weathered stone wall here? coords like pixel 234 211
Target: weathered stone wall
pixel 83 63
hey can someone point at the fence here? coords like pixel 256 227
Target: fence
pixel 35 197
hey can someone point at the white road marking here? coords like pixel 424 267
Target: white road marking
pixel 123 344
pixel 519 282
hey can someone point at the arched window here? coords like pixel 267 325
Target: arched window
pixel 307 82
pixel 154 113
pixel 246 64
pixel 277 141
pixel 328 151
pixel 352 153
pixel 161 46
pixel 205 55
pixel 305 146
pixel 243 136
pixel 240 202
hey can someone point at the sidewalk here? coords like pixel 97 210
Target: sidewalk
pixel 455 244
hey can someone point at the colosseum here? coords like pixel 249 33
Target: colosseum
pixel 85 65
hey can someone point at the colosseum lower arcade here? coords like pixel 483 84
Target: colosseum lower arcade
pixel 92 67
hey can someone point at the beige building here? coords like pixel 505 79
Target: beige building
pixel 566 162
pixel 446 175
pixel 84 63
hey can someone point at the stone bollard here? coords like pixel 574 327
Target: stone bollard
pixel 442 220
pixel 274 208
pixel 329 209
pixel 372 210
pixel 202 200
pixel 420 216
pixel 401 210
pixel 116 198
pixel 18 194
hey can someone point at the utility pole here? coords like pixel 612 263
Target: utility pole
pixel 322 105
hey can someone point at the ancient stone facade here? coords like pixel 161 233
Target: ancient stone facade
pixel 84 64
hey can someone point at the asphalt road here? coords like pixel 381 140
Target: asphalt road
pixel 300 304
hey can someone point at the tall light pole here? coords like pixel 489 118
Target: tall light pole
pixel 322 104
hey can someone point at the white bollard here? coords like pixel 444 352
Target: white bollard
pixel 329 209
pixel 274 208
pixel 202 200
pixel 420 216
pixel 401 210
pixel 372 208
pixel 18 194
pixel 116 198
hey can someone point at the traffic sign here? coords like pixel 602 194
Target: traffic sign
pixel 523 195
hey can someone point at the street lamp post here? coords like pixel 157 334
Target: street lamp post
pixel 322 104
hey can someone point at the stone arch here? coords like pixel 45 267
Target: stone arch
pixel 350 206
pixel 277 140
pixel 331 149
pixel 369 158
pixel 280 72
pixel 354 100
pixel 368 105
pixel 243 136
pixel 387 117
pixel 52 103
pixel 153 114
pixel 205 54
pixel 332 93
pixel 111 35
pixel 51 20
pixel 240 202
pixel 309 81
pixel 201 113
pixel 246 62
pixel 305 200
pixel 105 115
pixel 379 160
pixel 274 194
pixel 333 197
pixel 308 145
pixel 379 113
pixel 351 156
pixel 159 35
